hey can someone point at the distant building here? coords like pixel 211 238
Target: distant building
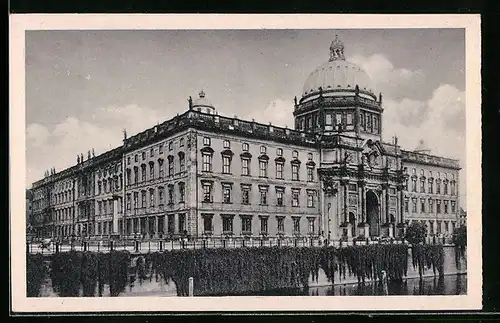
pixel 209 176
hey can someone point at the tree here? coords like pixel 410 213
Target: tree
pixel 460 237
pixel 416 233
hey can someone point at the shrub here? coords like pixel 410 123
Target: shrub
pixel 416 233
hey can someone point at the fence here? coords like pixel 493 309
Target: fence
pixel 138 246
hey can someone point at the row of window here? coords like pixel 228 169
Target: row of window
pixel 207 166
pixel 153 197
pixel 227 194
pixel 143 154
pixel 62 197
pixel 207 142
pixel 61 186
pixel 64 214
pixel 110 185
pixel 341 120
pixel 427 206
pixel 441 226
pixel 439 175
pixel 142 173
pixel 430 186
pixel 107 207
pixel 109 170
pixel 246 224
pixel 155 225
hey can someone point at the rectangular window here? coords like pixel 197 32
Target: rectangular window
pixel 328 122
pixel 151 198
pixel 207 223
pixel 171 223
pixel 445 207
pixel 245 167
pixel 182 162
pixel 279 170
pixel 227 144
pixel 143 199
pixel 128 201
pixel 438 206
pixel 375 124
pixel 431 188
pixel 445 187
pixel 310 174
pixel 406 206
pixel 311 228
pixel 422 186
pixel 206 141
pixel 128 160
pixel 422 205
pixel 263 225
pixel 279 197
pixel 263 149
pixel 296 225
pixel 246 224
pixel 181 142
pixel 151 152
pixel 414 206
pixel 151 170
pixel 295 172
pixel 281 224
pixel 207 192
pixel 279 152
pixel 263 197
pixel 245 195
pixel 136 200
pixel 295 197
pixel 143 173
pixel 171 194
pixel 438 187
pixel 226 193
pixel 310 199
pixel 181 192
pixel 431 206
pixel 182 223
pixel 160 149
pixel 160 195
pixel 207 162
pixel 227 224
pixel 338 119
pixel 453 207
pixel 413 184
pixel 262 168
pixel 226 165
pixel 244 147
pixel 171 146
pixel 143 155
pixel 136 158
pixel 349 118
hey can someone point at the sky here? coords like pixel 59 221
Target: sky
pixel 84 87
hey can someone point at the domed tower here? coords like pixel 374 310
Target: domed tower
pixel 338 97
pixel 201 104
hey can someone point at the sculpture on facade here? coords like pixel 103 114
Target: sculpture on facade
pixel 330 187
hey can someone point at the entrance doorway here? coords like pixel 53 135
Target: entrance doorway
pixel 352 221
pixel 372 213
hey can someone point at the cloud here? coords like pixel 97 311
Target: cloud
pixel 37 134
pixel 279 112
pixel 58 146
pixel 389 80
pixel 441 125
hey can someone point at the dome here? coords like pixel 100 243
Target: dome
pixel 202 104
pixel 337 74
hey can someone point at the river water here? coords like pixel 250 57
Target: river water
pixel 156 286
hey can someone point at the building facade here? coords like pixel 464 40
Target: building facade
pixel 204 175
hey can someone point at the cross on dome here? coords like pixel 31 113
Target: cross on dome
pixel 337 49
pixel 202 94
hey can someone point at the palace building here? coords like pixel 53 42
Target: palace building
pixel 204 175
